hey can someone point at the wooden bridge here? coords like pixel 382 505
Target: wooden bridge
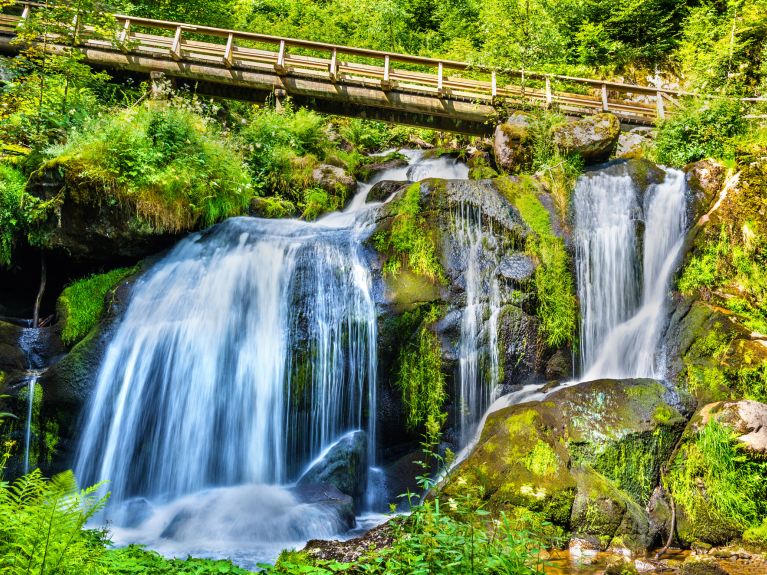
pixel 428 92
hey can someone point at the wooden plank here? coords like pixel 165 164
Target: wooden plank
pixel 175 50
pixel 228 59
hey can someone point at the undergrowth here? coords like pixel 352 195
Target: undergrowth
pixel 714 480
pixel 167 162
pixel 82 303
pixel 12 184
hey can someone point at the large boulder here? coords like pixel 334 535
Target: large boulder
pixel 594 138
pixel 512 145
pixel 586 457
pixel 634 143
pixel 344 466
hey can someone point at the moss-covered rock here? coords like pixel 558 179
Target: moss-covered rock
pixel 512 145
pixel 594 138
pixel 587 457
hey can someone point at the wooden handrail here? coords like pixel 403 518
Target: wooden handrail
pixel 380 55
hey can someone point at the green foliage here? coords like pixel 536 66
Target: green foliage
pixel 714 480
pixel 700 130
pixel 82 303
pixel 135 559
pixel 421 379
pixel 12 184
pixel 167 162
pixel 410 239
pixel 41 526
pixel 757 534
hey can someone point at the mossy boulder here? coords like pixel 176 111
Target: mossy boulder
pixel 512 145
pixel 746 418
pixel 334 180
pixel 594 138
pixel 634 143
pixel 705 179
pixel 587 457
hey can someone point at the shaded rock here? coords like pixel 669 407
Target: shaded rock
pixel 344 466
pixel 511 145
pixel 659 513
pixel 12 358
pixel 90 230
pixel 559 365
pixel 594 138
pixel 747 418
pixel 633 143
pixel 330 498
pixel 382 191
pixel 352 550
pixel 334 179
pixel 480 166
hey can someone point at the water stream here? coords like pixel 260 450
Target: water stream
pixel 242 355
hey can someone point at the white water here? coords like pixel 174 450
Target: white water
pixel 242 355
pixel 478 349
pixel 620 335
pixel 31 383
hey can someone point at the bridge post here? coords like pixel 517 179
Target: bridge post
pixel 548 91
pixel 661 110
pixel 228 57
pixel 493 85
pixel 440 89
pixel 279 67
pixel 605 105
pixel 124 36
pixel 24 14
pixel 333 69
pixel 279 100
pixel 175 51
pixel 386 82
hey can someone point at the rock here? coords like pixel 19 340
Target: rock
pixel 511 145
pixel 334 180
pixel 417 142
pixel 747 418
pixel 696 565
pixel 329 497
pixel 620 566
pixel 12 358
pixel 594 138
pixel 634 143
pixel 380 164
pixel 344 466
pixel 480 167
pixel 383 190
pixel 705 179
pixel 559 365
pixel 659 514
pixel 86 229
pixel 587 458
pixel 352 550
pixel 518 267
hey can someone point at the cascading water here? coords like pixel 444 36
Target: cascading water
pixel 242 355
pixel 623 301
pixel 28 425
pixel 478 348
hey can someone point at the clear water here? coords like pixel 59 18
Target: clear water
pixel 242 355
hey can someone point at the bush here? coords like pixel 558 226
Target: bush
pixel 12 184
pixel 167 162
pixel 82 303
pixel 697 131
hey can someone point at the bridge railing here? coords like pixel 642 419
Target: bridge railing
pixel 388 71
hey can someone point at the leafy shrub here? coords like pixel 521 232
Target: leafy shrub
pixel 698 131
pixel 12 184
pixel 82 302
pixel 167 162
pixel 135 559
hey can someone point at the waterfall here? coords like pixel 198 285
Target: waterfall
pixel 623 280
pixel 28 425
pixel 478 348
pixel 242 354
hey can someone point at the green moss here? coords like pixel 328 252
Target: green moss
pixel 664 414
pixel 82 303
pixel 420 377
pixel 757 534
pixel 409 239
pixel 317 202
pixel 542 460
pixel 717 484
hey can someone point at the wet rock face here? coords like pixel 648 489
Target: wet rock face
pixel 344 467
pixel 587 457
pixel 594 138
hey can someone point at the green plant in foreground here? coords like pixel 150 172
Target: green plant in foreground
pixel 82 302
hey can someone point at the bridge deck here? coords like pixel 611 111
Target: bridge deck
pixel 428 92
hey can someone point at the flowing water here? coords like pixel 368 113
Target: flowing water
pixel 478 348
pixel 242 355
pixel 623 282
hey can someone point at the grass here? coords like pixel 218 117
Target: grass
pixel 713 478
pixel 83 303
pixel 165 161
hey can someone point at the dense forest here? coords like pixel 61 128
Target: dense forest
pixel 138 165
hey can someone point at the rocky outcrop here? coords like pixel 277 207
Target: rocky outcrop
pixel 586 458
pixel 634 143
pixel 334 180
pixel 512 144
pixel 746 418
pixel 344 466
pixel 705 179
pixel 93 229
pixel 594 138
